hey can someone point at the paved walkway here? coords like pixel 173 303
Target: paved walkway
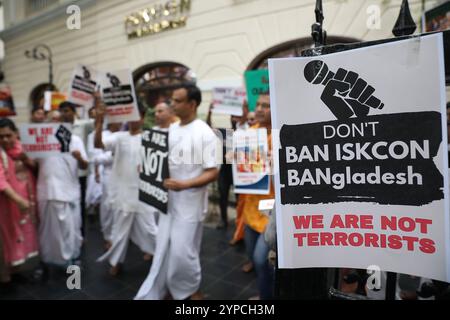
pixel 221 270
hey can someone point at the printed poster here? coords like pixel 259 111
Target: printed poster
pixel 361 168
pixel 251 167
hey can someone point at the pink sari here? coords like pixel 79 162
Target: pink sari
pixel 17 229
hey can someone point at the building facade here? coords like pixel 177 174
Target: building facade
pixel 210 41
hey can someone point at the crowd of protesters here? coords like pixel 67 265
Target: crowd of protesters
pixel 44 202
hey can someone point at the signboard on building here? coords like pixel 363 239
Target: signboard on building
pixel 361 167
pixel 157 18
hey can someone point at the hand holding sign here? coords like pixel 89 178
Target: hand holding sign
pixel 100 107
pixel 176 185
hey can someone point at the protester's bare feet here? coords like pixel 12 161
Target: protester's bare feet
pixel 148 257
pixel 114 271
pixel 247 267
pixel 233 242
pixel 197 296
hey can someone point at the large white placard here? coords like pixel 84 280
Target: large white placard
pixel 361 159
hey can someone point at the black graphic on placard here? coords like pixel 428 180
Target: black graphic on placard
pixel 85 83
pixel 117 94
pixel 385 159
pixel 345 93
pixel 154 169
pixel 86 73
pixel 115 81
pixel 64 137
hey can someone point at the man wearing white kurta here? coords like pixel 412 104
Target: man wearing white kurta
pixel 131 220
pixel 104 161
pixel 94 187
pixel 58 197
pixel 192 166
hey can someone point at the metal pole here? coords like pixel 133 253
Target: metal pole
pixel 405 24
pixel 42 52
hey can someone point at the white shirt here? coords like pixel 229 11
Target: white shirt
pixel 125 172
pixel 58 175
pixel 82 128
pixel 192 149
pixel 99 156
pixel 161 129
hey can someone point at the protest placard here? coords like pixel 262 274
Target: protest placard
pixel 228 101
pixel 119 96
pixel 52 100
pixel 362 164
pixel 256 83
pixel 83 85
pixel 251 166
pixel 154 169
pixel 45 140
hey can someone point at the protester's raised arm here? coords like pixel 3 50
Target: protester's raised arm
pixel 100 115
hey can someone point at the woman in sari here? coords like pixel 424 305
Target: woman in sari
pixel 17 203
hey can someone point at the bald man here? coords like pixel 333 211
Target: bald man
pixel 164 116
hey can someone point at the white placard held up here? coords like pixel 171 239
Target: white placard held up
pixel 361 160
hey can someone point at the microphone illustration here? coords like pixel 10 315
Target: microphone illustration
pixel 345 93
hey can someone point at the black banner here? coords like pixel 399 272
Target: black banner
pixel 385 159
pixel 154 169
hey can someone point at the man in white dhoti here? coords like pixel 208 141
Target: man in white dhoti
pixel 99 187
pixel 103 171
pixel 58 195
pixel 94 188
pixel 192 165
pixel 131 220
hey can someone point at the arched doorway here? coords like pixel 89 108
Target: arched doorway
pixel 291 48
pixel 36 97
pixel 154 83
